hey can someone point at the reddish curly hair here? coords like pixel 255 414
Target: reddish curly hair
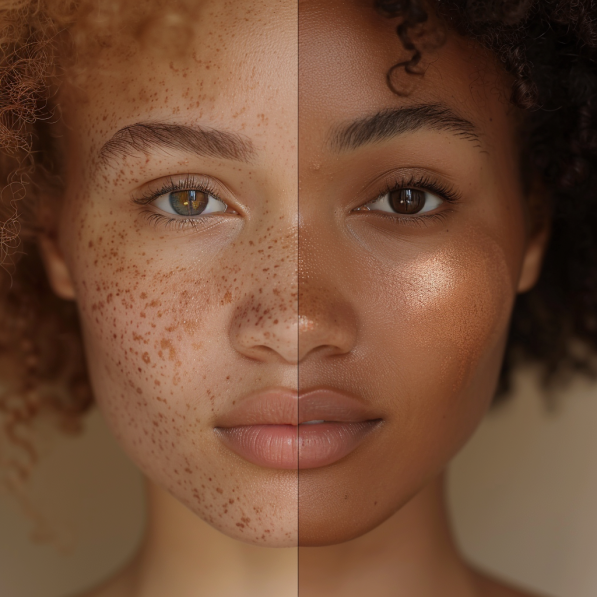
pixel 43 43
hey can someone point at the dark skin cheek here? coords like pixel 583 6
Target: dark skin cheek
pixel 429 347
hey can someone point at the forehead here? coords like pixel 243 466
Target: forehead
pixel 238 72
pixel 347 49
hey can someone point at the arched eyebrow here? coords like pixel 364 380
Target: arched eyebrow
pixel 147 136
pixel 390 123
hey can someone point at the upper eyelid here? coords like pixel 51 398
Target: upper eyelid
pixel 171 184
pixel 445 193
pixel 421 177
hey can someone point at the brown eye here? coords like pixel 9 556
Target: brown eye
pixel 188 203
pixel 407 201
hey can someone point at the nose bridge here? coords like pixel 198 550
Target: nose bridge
pixel 265 321
pixel 327 322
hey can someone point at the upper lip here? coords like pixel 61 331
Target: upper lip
pixel 283 406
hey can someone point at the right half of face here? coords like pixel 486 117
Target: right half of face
pixel 412 245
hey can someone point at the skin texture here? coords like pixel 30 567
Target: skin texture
pixel 408 316
pixel 424 348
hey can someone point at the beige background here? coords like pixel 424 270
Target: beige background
pixel 523 493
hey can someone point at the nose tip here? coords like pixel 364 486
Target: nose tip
pixel 324 328
pixel 266 334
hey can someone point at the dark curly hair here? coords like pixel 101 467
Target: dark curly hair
pixel 550 49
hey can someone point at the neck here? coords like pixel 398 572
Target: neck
pixel 411 554
pixel 184 556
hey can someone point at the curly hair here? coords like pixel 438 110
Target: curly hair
pixel 549 47
pixel 43 43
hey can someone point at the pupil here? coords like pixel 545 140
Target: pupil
pixel 188 203
pixel 407 201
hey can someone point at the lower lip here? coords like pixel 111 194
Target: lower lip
pixel 292 447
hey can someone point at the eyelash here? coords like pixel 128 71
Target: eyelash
pixel 424 183
pixel 171 186
pixel 190 183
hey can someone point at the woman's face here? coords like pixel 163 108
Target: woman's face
pixel 404 297
pixel 191 321
pixel 184 315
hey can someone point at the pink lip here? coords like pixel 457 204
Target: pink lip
pixel 267 428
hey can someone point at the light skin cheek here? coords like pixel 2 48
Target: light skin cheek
pixel 156 356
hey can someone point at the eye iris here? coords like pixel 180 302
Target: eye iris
pixel 407 201
pixel 188 203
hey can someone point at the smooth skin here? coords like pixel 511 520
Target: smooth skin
pixel 411 310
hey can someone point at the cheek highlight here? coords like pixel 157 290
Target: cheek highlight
pixel 456 307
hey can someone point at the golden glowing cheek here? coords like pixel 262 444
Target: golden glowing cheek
pixel 456 308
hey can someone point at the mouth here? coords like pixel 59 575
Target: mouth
pixel 280 429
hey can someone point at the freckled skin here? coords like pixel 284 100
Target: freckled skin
pixel 179 323
pixel 411 317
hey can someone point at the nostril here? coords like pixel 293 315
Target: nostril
pixel 271 355
pixel 326 324
pixel 265 334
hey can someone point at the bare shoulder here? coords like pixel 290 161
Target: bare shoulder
pixel 491 587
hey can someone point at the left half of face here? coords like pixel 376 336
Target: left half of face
pixel 178 233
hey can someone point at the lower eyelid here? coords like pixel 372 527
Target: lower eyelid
pixel 180 222
pixel 166 196
pixel 424 219
pixel 416 221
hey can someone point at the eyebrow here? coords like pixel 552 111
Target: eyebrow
pixel 390 123
pixel 147 136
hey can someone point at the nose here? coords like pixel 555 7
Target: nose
pixel 265 327
pixel 289 327
pixel 327 324
pixel 299 314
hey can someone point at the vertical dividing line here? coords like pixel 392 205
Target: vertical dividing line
pixel 298 294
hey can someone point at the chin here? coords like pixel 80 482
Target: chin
pixel 258 509
pixel 320 531
pixel 344 502
pixel 284 535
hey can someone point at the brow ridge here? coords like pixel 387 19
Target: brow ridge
pixel 145 136
pixel 390 123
